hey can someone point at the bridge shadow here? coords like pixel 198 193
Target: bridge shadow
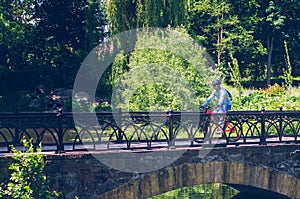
pixel 252 192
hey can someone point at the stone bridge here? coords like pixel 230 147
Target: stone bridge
pixel 141 174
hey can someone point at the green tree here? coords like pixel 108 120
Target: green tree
pixel 121 15
pixel 219 28
pixel 235 76
pixel 27 179
pixel 166 71
pixel 94 24
pixel 217 14
pixel 249 30
pixel 69 34
pixel 47 37
pixel 275 21
pixel 16 23
pixel 272 22
pixel 251 52
pixel 126 14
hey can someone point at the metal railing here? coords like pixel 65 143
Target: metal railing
pixel 134 130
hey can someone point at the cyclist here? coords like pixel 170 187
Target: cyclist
pixel 223 97
pixel 224 101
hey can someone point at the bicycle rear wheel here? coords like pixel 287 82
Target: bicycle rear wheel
pixel 231 132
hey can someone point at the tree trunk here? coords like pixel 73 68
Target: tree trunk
pixel 270 50
pixel 220 38
pixel 219 50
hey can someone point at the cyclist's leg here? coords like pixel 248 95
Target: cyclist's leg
pixel 220 118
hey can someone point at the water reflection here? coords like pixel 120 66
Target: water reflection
pixel 205 191
pixel 218 191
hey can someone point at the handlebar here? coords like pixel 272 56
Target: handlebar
pixel 205 108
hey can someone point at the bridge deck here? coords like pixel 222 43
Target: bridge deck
pixel 159 145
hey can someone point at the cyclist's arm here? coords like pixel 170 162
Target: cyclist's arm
pixel 212 95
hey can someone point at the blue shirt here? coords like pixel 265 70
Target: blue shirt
pixel 222 96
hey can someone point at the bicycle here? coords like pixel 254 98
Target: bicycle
pixel 228 131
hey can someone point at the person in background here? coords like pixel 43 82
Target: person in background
pixel 224 102
pixel 223 97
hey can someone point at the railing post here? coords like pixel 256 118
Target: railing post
pixel 61 146
pixel 119 124
pixel 263 128
pixel 280 125
pixel 16 138
pixel 171 134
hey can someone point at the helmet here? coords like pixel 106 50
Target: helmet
pixel 216 82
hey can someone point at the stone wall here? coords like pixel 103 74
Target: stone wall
pixel 274 168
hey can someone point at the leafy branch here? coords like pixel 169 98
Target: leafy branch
pixel 27 180
pixel 287 73
pixel 235 76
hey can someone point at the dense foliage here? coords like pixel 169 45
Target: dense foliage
pixel 27 179
pixel 166 72
pixel 45 42
pixel 272 98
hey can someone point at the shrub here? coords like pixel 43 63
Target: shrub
pixel 27 180
pixel 272 98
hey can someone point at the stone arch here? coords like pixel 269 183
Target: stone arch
pixel 191 174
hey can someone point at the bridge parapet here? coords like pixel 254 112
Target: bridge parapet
pixel 129 130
